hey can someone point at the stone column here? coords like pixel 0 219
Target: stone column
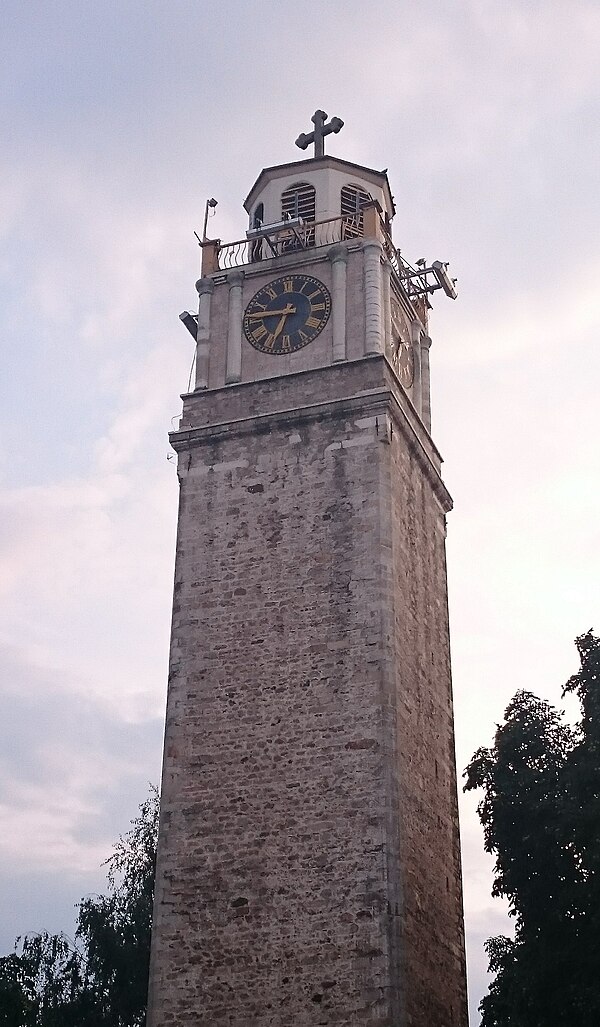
pixel 338 256
pixel 373 296
pixel 387 306
pixel 205 288
pixel 425 395
pixel 415 337
pixel 234 327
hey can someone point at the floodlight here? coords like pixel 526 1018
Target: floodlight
pixel 275 226
pixel 212 203
pixel 190 321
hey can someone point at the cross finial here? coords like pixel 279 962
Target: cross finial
pixel 321 130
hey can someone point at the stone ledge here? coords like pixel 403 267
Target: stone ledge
pixel 298 389
pixel 381 406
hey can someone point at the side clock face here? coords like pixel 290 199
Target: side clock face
pixel 402 351
pixel 287 314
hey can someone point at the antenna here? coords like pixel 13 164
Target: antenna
pixel 423 286
pixel 440 273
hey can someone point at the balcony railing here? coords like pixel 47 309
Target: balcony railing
pixel 219 256
pixel 302 236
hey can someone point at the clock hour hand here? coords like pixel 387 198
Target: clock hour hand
pixel 279 328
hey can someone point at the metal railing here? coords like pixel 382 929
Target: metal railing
pixel 310 235
pixel 301 236
pixel 390 251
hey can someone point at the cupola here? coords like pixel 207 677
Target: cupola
pixel 318 189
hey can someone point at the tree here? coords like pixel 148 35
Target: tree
pixel 43 984
pixel 540 813
pixel 100 979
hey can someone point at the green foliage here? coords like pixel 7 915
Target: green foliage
pixel 16 992
pixel 101 979
pixel 540 813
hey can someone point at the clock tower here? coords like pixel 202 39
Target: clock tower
pixel 308 865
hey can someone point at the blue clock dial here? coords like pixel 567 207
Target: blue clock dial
pixel 287 314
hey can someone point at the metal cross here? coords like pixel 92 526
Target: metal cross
pixel 322 129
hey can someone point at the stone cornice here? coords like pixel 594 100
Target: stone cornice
pixel 385 402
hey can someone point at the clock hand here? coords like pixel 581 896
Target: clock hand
pixel 279 328
pixel 270 313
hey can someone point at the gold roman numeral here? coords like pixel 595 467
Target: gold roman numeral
pixel 316 306
pixel 288 285
pixel 269 341
pixel 270 292
pixel 305 338
pixel 312 322
pixel 259 333
pixel 285 344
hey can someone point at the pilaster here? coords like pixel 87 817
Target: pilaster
pixel 338 256
pixel 235 281
pixel 373 296
pixel 205 287
pixel 415 336
pixel 387 306
pixel 424 347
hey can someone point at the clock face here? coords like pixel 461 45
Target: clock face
pixel 405 364
pixel 287 314
pixel 402 350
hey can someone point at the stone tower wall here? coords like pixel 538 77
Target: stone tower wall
pixel 432 957
pixel 308 866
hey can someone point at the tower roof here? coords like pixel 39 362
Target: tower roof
pixel 378 178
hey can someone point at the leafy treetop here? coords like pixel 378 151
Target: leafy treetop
pixel 540 813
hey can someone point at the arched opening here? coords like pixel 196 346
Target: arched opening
pixel 257 221
pixel 299 201
pixel 353 199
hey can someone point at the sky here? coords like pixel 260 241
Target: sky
pixel 118 121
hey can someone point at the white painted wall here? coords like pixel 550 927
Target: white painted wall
pixel 328 183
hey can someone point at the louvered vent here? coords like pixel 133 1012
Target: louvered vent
pixel 299 201
pixel 353 200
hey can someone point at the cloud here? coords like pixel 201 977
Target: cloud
pixel 64 761
pixel 488 126
pixel 72 774
pixel 75 579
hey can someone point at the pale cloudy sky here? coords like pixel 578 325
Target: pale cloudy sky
pixel 119 120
